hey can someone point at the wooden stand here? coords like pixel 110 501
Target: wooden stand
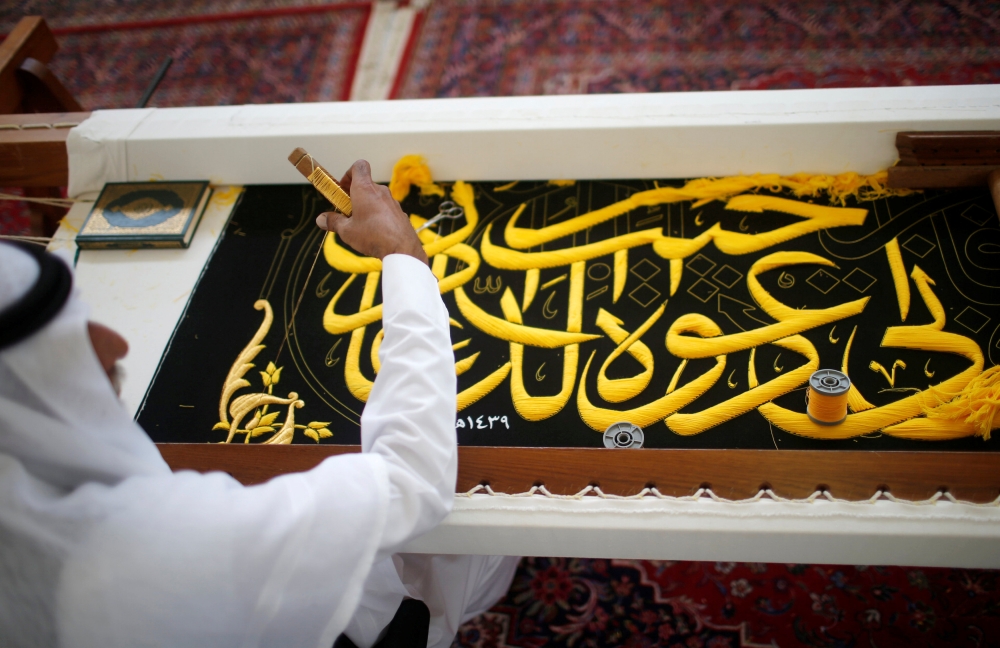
pixel 733 474
pixel 28 86
pixel 948 159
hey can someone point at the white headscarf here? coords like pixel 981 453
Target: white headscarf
pixel 101 545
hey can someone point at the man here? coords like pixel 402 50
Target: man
pixel 101 545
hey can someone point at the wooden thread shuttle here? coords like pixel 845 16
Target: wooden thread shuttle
pixel 321 179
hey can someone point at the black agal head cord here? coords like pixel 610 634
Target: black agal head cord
pixel 45 299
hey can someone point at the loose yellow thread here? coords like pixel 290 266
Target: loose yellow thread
pixel 757 204
pixel 899 277
pixel 562 183
pixel 342 259
pixel 976 407
pixel 838 188
pixel 509 185
pixel 412 170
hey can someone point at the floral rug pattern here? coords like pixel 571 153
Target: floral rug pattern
pixel 640 604
pixel 524 47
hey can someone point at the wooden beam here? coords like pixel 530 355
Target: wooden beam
pixel 733 474
pixel 939 177
pixel 33 149
pixel 31 37
pixel 949 144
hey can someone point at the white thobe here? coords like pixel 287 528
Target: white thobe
pixel 102 545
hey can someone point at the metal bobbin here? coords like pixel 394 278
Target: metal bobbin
pixel 623 435
pixel 826 397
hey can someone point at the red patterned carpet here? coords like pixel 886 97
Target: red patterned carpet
pixel 225 53
pixel 523 47
pixel 270 51
pixel 640 604
pixel 229 53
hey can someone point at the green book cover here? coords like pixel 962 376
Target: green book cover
pixel 144 215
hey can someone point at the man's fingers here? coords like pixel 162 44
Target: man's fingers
pixel 345 182
pixel 361 172
pixel 331 221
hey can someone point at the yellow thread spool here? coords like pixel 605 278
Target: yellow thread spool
pixel 826 397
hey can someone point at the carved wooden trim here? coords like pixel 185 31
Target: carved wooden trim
pixel 733 474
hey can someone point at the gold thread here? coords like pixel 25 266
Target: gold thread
pixel 676 268
pixel 530 287
pixel 855 400
pixel 234 379
pixel 926 337
pixel 504 330
pixel 357 384
pixel 539 408
pixel 617 390
pixel 687 424
pixel 599 418
pixel 552 282
pixel 707 189
pixel 412 170
pixel 899 279
pixel 330 189
pixel 483 387
pixel 621 274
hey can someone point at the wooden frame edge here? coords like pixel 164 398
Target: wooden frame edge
pixel 733 474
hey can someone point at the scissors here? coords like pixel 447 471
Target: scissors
pixel 448 210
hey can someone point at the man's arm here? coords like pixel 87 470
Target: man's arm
pixel 409 418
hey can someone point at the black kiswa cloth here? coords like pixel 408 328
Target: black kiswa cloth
pixel 408 628
pixel 41 303
pixel 268 248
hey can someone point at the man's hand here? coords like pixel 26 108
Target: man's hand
pixel 378 227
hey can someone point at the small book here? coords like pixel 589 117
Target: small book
pixel 144 215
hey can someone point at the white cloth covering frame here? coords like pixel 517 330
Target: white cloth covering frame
pixel 620 136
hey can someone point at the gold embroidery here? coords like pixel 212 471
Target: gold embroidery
pixel 899 277
pixel 621 389
pixel 891 378
pixel 695 423
pixel 357 384
pixel 530 287
pixel 539 408
pixel 926 337
pixel 621 274
pixel 261 422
